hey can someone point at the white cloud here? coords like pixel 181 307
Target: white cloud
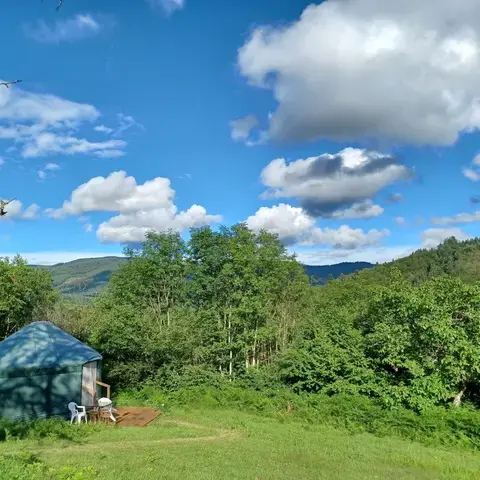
pixel 125 122
pixel 329 183
pixel 140 208
pixel 335 72
pixel 400 221
pixel 88 227
pixel 103 129
pixel 378 254
pixel 432 237
pixel 49 167
pixel 79 27
pixel 471 174
pixel 52 144
pixel 15 211
pixel 460 218
pixel 43 124
pixel 240 129
pixel 295 227
pixel 54 257
pixel 169 6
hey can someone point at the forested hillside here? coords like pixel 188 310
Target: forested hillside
pixel 87 276
pixel 453 258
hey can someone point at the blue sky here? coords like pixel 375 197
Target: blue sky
pixel 346 128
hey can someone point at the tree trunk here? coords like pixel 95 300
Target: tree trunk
pixel 230 364
pixel 458 397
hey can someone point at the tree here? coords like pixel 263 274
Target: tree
pixel 427 339
pixel 25 294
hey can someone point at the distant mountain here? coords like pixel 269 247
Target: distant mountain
pixel 87 276
pixel 320 273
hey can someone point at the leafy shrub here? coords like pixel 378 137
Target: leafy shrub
pixel 54 429
pixel 26 466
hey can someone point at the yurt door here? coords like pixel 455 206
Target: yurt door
pixel 89 383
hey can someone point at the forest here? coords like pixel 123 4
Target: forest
pixel 232 306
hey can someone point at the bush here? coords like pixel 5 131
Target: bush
pixel 54 429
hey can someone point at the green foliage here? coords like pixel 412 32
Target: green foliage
pixel 26 294
pixel 27 466
pixel 225 302
pixel 53 429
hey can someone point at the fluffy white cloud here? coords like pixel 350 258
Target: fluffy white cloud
pixel 400 221
pixel 140 208
pixel 43 124
pixel 329 183
pixel 68 30
pixel 432 237
pixel 169 6
pixel 347 70
pixel 15 211
pixel 295 227
pixel 460 218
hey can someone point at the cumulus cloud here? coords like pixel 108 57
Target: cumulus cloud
pixel 79 27
pixel 16 211
pixel 295 227
pixel 140 208
pixel 350 70
pixel 433 237
pixel 328 183
pixel 460 218
pixel 168 6
pixel 43 124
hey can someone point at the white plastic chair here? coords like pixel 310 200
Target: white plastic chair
pixel 77 412
pixel 106 406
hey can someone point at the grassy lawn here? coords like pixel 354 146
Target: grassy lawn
pixel 224 444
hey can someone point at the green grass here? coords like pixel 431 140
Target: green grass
pixel 219 444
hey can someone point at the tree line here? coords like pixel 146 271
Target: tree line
pixel 232 304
